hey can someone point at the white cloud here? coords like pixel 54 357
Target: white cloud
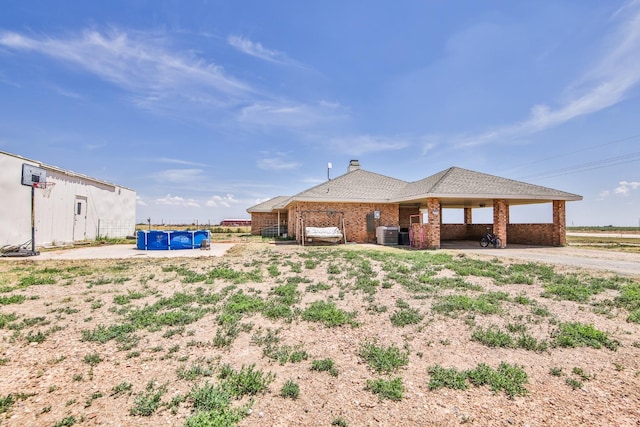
pixel 224 201
pixel 604 85
pixel 179 176
pixel 140 202
pixel 290 115
pixel 625 187
pixel 140 63
pixel 177 201
pixel 178 161
pixel 279 162
pixel 245 45
pixel 363 144
pixel 257 50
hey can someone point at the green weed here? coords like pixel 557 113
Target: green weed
pixel 66 422
pixel 387 389
pixel 483 304
pixel 492 337
pixel 324 365
pixel 575 334
pixel 290 390
pixel 406 316
pixel 339 422
pixel 92 359
pixel 285 353
pixel 212 406
pixel 382 359
pixel 147 402
pixel 247 381
pixel 13 299
pixel 6 403
pixel 447 378
pixel 328 314
pixel 121 389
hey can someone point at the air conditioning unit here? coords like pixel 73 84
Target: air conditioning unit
pixel 387 235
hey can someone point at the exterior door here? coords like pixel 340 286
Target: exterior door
pixel 80 219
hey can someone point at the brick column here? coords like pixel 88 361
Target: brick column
pixel 559 223
pixel 500 217
pixel 433 230
pixel 468 219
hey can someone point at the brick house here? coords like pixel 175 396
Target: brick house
pixel 359 202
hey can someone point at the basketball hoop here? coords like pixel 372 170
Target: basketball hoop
pixel 45 186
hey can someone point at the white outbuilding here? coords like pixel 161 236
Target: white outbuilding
pixel 66 206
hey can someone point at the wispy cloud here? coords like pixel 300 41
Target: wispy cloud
pixel 179 176
pixel 289 115
pixel 363 144
pixel 170 200
pixel 256 50
pixel 138 62
pixel 178 161
pixel 66 93
pixel 277 162
pixel 604 85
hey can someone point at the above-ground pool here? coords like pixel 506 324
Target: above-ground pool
pixel 161 240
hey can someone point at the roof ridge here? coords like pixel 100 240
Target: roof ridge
pixel 343 177
pixel 446 173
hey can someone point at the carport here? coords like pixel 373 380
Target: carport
pixel 458 188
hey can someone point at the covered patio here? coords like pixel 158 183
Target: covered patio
pixel 457 188
pixel 427 230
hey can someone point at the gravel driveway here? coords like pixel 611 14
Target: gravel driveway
pixel 624 264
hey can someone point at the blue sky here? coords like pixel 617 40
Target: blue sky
pixel 206 108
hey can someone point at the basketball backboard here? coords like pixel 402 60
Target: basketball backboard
pixel 32 174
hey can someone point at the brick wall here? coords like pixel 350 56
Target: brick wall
pixel 355 218
pixel 500 220
pixel 460 231
pixel 531 234
pixel 559 223
pixel 260 220
pixel 405 214
pixel 521 234
pixel 433 226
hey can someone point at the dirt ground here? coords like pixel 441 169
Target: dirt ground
pixel 64 379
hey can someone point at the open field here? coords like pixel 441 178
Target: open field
pixel 282 335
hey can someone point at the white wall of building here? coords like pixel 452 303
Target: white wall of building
pixel 76 208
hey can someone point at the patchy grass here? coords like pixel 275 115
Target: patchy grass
pixel 209 331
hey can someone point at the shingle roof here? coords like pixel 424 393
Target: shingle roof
pixel 459 182
pixel 454 186
pixel 270 205
pixel 356 186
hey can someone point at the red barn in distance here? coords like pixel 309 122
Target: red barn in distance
pixel 235 223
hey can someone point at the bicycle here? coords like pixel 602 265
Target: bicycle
pixel 492 239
